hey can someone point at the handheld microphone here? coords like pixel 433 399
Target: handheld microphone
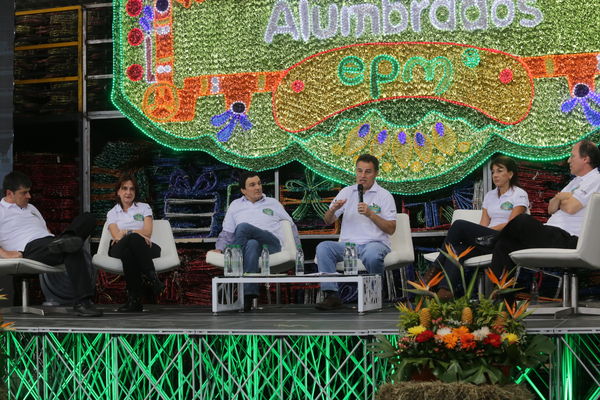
pixel 360 193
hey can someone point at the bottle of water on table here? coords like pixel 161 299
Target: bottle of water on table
pixel 348 259
pixel 237 262
pixel 299 261
pixel 354 260
pixel 263 261
pixel 228 266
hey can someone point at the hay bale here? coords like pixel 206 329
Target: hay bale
pixel 450 391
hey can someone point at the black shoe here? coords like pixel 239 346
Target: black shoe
pixel 249 302
pixel 156 284
pixel 134 304
pixel 87 309
pixel 487 242
pixel 65 244
pixel 331 302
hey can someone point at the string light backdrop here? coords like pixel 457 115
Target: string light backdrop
pixel 431 87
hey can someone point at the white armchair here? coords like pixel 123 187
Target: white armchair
pixel 585 256
pixel 162 235
pixel 401 255
pixel 279 262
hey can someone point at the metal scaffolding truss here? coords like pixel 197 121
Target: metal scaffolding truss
pixel 90 366
pixel 107 366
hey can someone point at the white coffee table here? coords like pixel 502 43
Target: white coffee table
pixel 228 292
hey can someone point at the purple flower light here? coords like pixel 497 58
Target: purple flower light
pixel 581 95
pixel 364 130
pixel 382 136
pixel 402 137
pixel 420 139
pixel 230 118
pixel 439 128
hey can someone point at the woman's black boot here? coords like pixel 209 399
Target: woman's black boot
pixel 156 284
pixel 134 304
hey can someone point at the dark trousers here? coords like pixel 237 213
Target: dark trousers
pixel 252 240
pixel 461 235
pixel 75 263
pixel 136 256
pixel 526 232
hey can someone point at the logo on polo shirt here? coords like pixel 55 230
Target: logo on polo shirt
pixel 507 205
pixel 138 217
pixel 375 208
pixel 268 211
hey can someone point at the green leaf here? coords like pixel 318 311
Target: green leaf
pixel 452 373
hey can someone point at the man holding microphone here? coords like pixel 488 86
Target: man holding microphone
pixel 369 220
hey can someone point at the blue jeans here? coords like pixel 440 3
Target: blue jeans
pixel 252 240
pixel 330 253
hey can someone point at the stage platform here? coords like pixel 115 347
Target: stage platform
pixel 268 320
pixel 276 352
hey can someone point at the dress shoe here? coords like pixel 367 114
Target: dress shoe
pixel 331 302
pixel 65 244
pixel 249 302
pixel 87 309
pixel 134 304
pixel 488 241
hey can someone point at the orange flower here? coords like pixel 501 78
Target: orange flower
pixel 426 286
pixel 516 312
pixel 503 282
pixel 450 340
pixel 452 253
pixel 463 330
pixel 467 341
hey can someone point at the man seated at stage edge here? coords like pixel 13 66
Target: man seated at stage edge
pixel 567 210
pixel 23 233
pixel 252 221
pixel 367 223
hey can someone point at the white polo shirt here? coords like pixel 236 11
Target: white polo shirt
pixel 358 228
pixel 266 214
pixel 132 219
pixel 582 188
pixel 499 208
pixel 19 226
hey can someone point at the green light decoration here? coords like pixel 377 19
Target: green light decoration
pixel 311 200
pixel 259 84
pixel 50 365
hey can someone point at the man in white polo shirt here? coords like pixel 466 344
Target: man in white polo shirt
pixel 23 233
pixel 369 220
pixel 567 210
pixel 252 221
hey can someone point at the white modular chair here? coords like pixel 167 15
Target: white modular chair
pixel 585 257
pixel 279 262
pixel 24 266
pixel 162 235
pixel 467 215
pixel 401 255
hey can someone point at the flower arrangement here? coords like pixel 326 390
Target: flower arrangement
pixel 472 341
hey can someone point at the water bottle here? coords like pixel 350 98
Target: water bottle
pixel 299 261
pixel 354 269
pixel 263 261
pixel 348 259
pixel 535 290
pixel 237 262
pixel 228 267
